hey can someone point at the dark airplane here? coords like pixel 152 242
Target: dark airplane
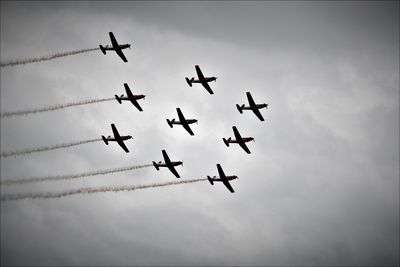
pixel 129 96
pixel 117 138
pixel 203 80
pixel 116 47
pixel 252 106
pixel 168 163
pixel 239 140
pixel 182 121
pixel 222 178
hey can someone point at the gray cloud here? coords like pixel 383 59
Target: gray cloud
pixel 321 184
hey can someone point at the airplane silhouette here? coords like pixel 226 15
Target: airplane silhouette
pixel 117 138
pixel 116 47
pixel 168 163
pixel 201 79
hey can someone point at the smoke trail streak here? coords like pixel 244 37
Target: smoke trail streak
pixel 92 190
pixel 45 58
pixel 46 148
pixel 53 108
pixel 71 176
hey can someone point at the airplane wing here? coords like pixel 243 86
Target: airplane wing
pixel 115 132
pixel 169 164
pixel 202 80
pixel 131 98
pixel 117 48
pixel 253 106
pixel 223 178
pixel 220 172
pixel 250 99
pixel 122 144
pixel 183 121
pixel 258 113
pixel 172 169
pixel 199 73
pixel 136 104
pixel 166 158
pixel 118 138
pixel 207 87
pixel 113 40
pixel 228 185
pixel 239 138
pixel 120 54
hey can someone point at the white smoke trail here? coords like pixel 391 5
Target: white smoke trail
pixel 46 148
pixel 70 176
pixel 92 190
pixel 52 108
pixel 45 58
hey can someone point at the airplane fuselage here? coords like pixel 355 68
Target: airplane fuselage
pixel 206 79
pixel 245 139
pixel 174 163
pixel 190 121
pixel 122 46
pixel 123 137
pixel 258 106
pixel 229 178
pixel 136 97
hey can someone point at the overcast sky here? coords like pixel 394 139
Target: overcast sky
pixel 321 186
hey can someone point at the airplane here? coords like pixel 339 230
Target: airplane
pixel 222 178
pixel 252 106
pixel 203 80
pixel 182 121
pixel 239 140
pixel 168 163
pixel 116 47
pixel 131 97
pixel 117 138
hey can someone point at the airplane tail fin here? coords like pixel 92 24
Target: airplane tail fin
pixel 156 166
pixel 102 49
pixel 118 99
pixel 210 180
pixel 226 141
pixel 104 139
pixel 240 108
pixel 189 81
pixel 170 123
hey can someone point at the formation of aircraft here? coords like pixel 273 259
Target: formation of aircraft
pixel 168 163
pixel 116 47
pixel 222 178
pixel 204 81
pixel 239 140
pixel 117 138
pixel 252 106
pixel 131 97
pixel 182 121
pixel 201 79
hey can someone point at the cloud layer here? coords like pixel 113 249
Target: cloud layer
pixel 321 186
